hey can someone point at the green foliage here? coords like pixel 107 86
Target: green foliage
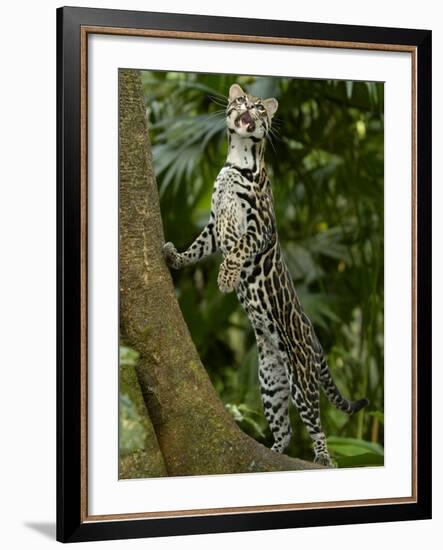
pixel 132 429
pixel 132 418
pixel 139 454
pixel 128 357
pixel 349 452
pixel 325 162
pixel 247 418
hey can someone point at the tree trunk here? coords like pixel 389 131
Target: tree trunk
pixel 195 433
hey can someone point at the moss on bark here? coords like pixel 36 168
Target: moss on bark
pixel 143 458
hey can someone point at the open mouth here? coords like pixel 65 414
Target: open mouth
pixel 246 121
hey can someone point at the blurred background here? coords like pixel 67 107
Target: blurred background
pixel 325 162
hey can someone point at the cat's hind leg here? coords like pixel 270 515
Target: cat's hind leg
pixel 274 387
pixel 307 401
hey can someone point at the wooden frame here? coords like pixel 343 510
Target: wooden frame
pixel 73 26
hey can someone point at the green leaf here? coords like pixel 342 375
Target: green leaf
pixel 247 418
pixel 365 459
pixel 132 431
pixel 349 446
pixel 128 356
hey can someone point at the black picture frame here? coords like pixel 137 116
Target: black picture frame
pixel 71 523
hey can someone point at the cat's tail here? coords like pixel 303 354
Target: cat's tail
pixel 333 393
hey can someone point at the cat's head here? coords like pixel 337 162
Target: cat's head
pixel 249 116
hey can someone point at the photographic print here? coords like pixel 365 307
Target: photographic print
pixel 252 309
pixel 244 253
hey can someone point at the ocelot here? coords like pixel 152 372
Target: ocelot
pixel 242 225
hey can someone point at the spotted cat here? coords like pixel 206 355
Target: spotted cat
pixel 242 225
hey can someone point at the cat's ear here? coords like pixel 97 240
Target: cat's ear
pixel 271 105
pixel 235 91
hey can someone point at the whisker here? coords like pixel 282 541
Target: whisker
pixel 271 142
pixel 274 137
pixel 275 131
pixel 216 121
pixel 219 96
pixel 276 126
pixel 215 99
pixel 219 112
pixel 216 116
pixel 222 101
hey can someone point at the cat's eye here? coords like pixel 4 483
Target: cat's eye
pixel 240 100
pixel 260 107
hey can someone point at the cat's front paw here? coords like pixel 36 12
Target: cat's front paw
pixel 228 276
pixel 172 257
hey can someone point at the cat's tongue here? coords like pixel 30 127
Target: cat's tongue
pixel 245 121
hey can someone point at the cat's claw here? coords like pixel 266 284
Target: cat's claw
pixel 324 460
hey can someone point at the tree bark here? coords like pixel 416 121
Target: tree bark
pixel 195 433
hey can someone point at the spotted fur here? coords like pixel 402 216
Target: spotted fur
pixel 292 365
